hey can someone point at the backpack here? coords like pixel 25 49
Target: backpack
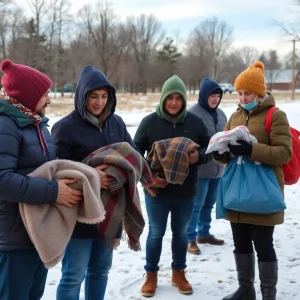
pixel 291 170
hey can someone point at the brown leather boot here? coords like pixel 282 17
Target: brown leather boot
pixel 179 280
pixel 150 285
pixel 210 240
pixel 193 248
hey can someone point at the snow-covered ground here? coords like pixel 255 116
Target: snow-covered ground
pixel 212 274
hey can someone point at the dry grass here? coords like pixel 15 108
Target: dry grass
pixel 147 103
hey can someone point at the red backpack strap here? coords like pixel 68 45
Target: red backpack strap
pixel 269 119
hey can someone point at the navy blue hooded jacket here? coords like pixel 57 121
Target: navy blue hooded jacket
pixel 75 136
pixel 207 88
pixel 20 154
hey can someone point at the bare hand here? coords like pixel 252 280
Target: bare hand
pixel 194 157
pixel 103 176
pixel 66 195
pixel 159 182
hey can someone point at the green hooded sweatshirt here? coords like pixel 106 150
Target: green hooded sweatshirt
pixel 159 126
pixel 173 85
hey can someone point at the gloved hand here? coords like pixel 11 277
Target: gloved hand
pixel 245 148
pixel 216 155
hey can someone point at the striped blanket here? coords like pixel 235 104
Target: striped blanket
pixel 126 167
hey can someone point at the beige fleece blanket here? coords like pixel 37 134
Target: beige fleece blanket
pixel 50 226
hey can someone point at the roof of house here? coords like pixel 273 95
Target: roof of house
pixel 279 75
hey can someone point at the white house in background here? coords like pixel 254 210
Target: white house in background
pixel 281 79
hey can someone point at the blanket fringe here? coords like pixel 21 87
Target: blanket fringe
pixel 114 243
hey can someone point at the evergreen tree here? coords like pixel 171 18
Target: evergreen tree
pixel 169 53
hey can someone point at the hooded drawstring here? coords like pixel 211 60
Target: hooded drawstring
pixel 31 115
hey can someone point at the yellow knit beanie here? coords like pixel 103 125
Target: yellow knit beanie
pixel 252 79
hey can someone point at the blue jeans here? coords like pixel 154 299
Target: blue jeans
pixel 22 275
pixel 158 209
pixel 199 224
pixel 88 259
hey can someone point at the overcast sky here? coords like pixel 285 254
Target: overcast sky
pixel 252 20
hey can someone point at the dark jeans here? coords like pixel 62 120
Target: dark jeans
pixel 22 275
pixel 261 236
pixel 158 209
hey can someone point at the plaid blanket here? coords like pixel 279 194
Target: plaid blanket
pixel 50 227
pixel 170 159
pixel 121 201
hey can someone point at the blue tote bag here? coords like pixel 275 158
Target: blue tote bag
pixel 249 187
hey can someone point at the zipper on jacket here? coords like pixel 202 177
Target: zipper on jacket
pixel 100 129
pixel 48 154
pixel 247 120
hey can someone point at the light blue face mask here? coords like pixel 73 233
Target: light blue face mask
pixel 250 106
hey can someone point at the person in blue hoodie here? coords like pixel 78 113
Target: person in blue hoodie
pixel 210 96
pixel 91 125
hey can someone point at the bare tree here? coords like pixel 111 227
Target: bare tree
pixel 108 37
pixel 36 36
pixel 218 35
pixel 249 55
pixel 4 26
pixel 197 63
pixel 291 30
pixel 231 65
pixel 59 16
pixel 145 35
pixel 199 49
pixel 288 60
pixel 17 28
pixel 7 15
pixel 39 10
pixel 78 53
pixel 52 27
pixel 272 67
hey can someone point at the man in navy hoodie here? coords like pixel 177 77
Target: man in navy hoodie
pixel 210 96
pixel 92 125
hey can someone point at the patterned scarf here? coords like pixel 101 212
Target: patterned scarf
pixel 30 114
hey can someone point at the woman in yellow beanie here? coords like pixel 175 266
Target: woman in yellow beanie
pixel 274 149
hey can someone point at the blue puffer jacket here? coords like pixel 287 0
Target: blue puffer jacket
pixel 20 154
pixel 76 135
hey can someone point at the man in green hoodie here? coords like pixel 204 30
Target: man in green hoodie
pixel 171 120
